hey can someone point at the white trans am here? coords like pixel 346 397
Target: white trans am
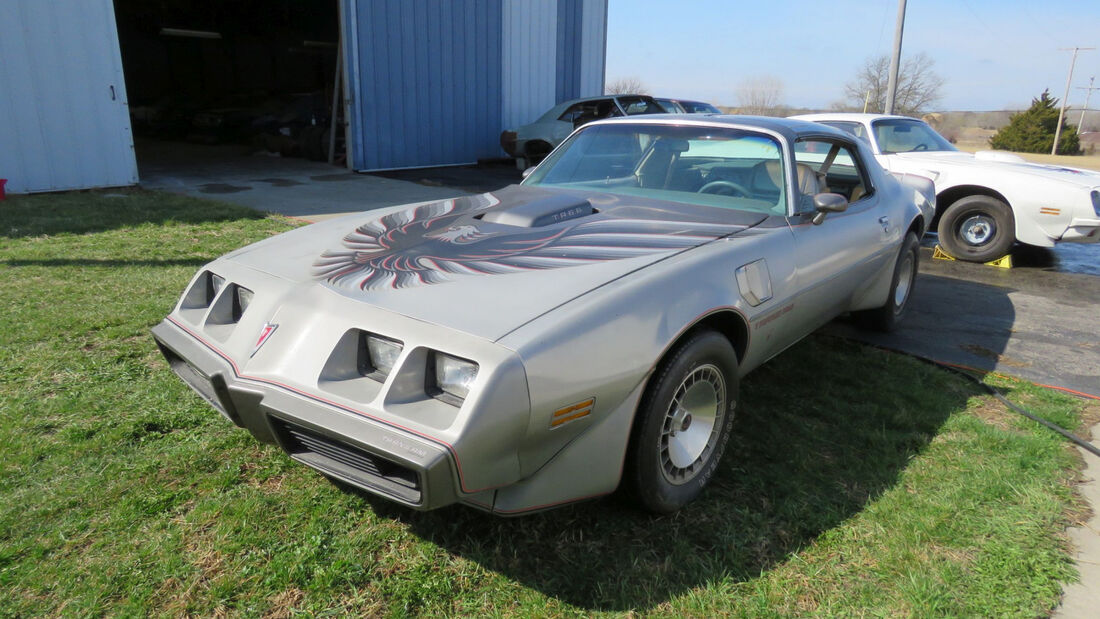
pixel 989 199
pixel 538 345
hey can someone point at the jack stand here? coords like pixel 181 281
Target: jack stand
pixel 1004 262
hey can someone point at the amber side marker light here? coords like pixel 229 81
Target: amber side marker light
pixel 571 412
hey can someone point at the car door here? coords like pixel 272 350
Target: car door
pixel 839 256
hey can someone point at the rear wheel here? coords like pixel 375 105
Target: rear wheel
pixel 890 315
pixel 684 422
pixel 977 229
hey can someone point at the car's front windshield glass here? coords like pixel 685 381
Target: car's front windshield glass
pixel 711 166
pixel 695 107
pixel 634 105
pixel 900 135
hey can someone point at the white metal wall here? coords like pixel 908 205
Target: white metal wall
pixel 64 122
pixel 528 50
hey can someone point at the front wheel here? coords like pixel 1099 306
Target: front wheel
pixel 684 422
pixel 889 316
pixel 977 229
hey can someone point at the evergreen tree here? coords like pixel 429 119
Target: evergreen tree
pixel 1032 131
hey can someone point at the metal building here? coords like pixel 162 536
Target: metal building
pixel 427 82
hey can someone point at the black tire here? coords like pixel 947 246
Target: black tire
pixel 696 386
pixel 889 316
pixel 977 229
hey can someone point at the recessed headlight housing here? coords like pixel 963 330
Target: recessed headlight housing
pixel 377 355
pixel 449 378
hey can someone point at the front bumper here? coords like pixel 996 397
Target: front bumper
pixel 1082 230
pixel 380 459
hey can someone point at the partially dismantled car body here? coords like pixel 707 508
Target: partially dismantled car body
pixel 536 345
pixel 533 141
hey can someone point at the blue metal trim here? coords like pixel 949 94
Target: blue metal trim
pixel 570 22
pixel 429 91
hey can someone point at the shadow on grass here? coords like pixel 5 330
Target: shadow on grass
pixel 84 212
pixel 824 429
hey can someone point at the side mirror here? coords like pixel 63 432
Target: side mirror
pixel 527 172
pixel 828 203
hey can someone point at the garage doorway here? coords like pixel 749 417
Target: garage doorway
pixel 236 91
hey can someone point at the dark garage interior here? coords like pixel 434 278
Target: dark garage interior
pixel 212 80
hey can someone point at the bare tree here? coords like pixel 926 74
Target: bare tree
pixel 918 86
pixel 626 86
pixel 760 95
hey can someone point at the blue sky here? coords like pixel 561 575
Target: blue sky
pixel 992 54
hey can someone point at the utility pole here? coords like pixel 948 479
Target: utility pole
pixel 1062 113
pixel 895 62
pixel 1081 123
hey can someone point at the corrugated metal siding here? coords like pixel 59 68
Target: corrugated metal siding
pixel 570 18
pixel 593 57
pixel 529 60
pixel 428 84
pixel 60 128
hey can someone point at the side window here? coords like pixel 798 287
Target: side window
pixel 572 112
pixel 830 166
pixel 586 111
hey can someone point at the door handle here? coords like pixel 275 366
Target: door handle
pixel 884 221
pixel 112 92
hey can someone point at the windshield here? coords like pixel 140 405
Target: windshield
pixel 725 168
pixel 671 106
pixel 698 107
pixel 901 135
pixel 633 105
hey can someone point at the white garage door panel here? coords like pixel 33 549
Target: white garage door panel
pixel 64 121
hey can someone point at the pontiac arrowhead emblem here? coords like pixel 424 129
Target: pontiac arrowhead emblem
pixel 265 333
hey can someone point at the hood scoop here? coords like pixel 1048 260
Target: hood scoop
pixel 544 211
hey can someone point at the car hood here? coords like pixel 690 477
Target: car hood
pixel 997 160
pixel 486 264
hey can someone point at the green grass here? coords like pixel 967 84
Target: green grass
pixel 858 482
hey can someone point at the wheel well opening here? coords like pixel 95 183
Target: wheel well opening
pixel 949 196
pixel 731 325
pixel 537 147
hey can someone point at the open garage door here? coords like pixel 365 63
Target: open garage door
pixel 238 90
pixel 65 123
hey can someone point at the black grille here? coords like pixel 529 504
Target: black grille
pixel 349 463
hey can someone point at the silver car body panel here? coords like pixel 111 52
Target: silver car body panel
pixel 564 338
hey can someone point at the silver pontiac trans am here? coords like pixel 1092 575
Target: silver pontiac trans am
pixel 541 344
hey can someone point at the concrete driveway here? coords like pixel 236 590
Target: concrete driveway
pixel 1029 322
pixel 289 186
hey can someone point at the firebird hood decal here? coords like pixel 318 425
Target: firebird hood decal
pixel 438 242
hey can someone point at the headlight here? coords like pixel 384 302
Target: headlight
pixel 241 300
pixel 201 294
pixel 1096 202
pixel 213 286
pixel 449 378
pixel 377 355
